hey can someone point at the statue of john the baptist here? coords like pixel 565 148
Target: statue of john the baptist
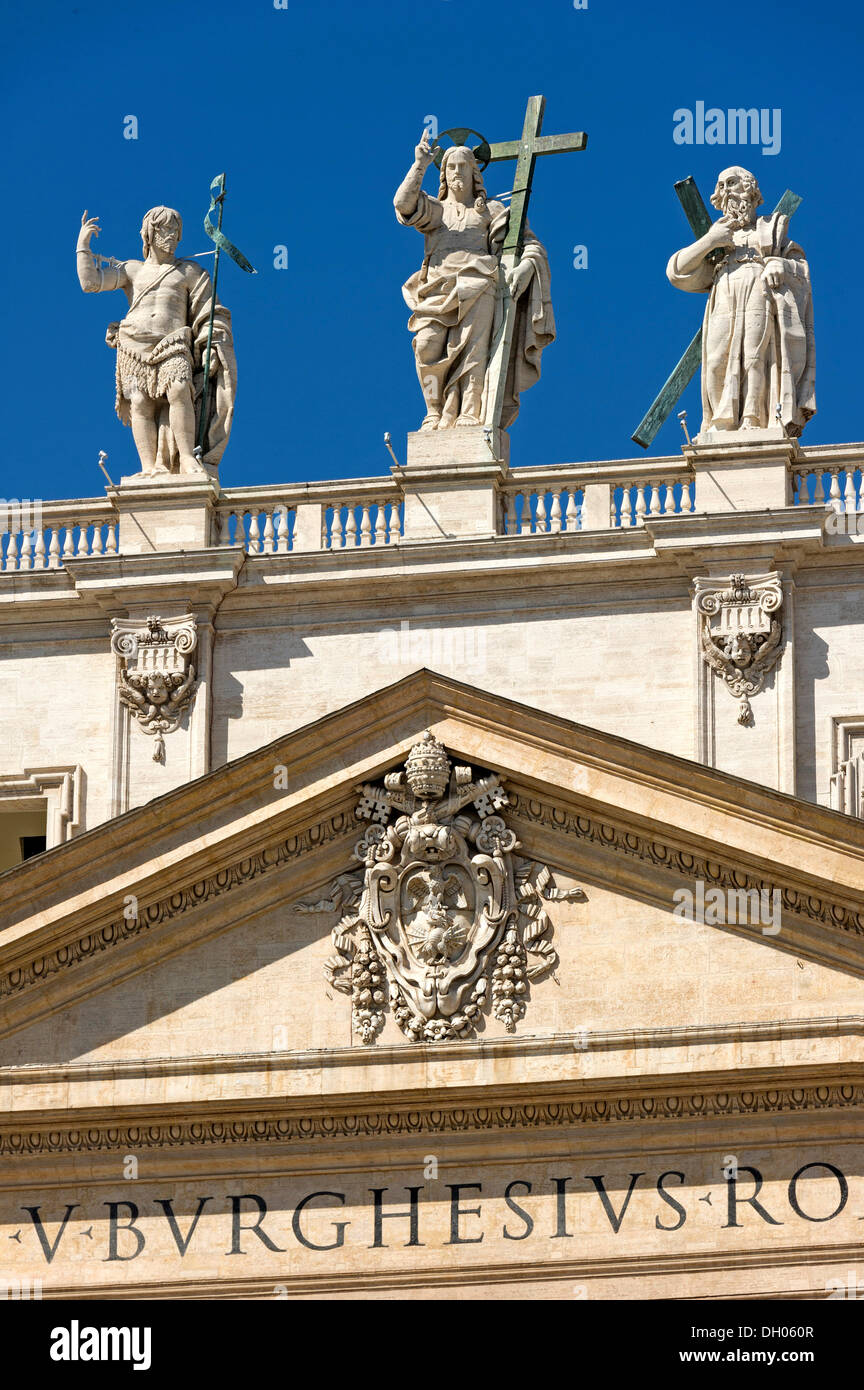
pixel 161 345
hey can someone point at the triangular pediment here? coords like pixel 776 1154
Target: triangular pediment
pixel 172 930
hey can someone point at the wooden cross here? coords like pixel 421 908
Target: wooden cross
pixel 679 379
pixel 525 152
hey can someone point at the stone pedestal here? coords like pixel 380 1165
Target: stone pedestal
pixel 745 471
pixel 165 512
pixel 452 482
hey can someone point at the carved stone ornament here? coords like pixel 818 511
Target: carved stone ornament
pixel 740 632
pixel 442 910
pixel 157 679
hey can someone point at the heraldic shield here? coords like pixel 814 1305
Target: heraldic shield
pixel 438 910
pixel 442 908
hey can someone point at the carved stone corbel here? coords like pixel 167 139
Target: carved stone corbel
pixel 740 632
pixel 157 678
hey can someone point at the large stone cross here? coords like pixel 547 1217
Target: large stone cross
pixel 525 151
pixel 679 379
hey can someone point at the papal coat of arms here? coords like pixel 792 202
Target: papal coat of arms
pixel 444 919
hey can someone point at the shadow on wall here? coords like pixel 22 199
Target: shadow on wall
pixel 817 668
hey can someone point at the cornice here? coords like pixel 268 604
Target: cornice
pixel 552 1107
pixel 116 581
pixel 695 539
pixel 391 1283
pixel 169 906
pixel 478 1049
pixel 710 867
pixel 659 547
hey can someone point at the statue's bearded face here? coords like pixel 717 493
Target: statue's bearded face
pixel 161 229
pixel 166 238
pixel 737 196
pixel 460 173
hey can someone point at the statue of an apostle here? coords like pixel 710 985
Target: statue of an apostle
pixel 757 341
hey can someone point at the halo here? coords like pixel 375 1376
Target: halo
pixel 459 136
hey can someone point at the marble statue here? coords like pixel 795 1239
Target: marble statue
pixel 161 345
pixel 455 307
pixel 757 341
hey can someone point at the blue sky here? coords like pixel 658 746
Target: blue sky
pixel 313 112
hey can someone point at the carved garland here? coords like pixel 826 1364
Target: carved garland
pixel 172 1134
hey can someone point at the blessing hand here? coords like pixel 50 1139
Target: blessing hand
pixel 89 228
pixel 424 153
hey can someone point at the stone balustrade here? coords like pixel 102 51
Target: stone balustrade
pixel 43 535
pixel 829 476
pixel 375 521
pixel 311 516
pixel 260 520
pixel 845 786
pixel 363 513
pixel 532 508
pixel 583 497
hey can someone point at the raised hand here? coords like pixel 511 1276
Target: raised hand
pixel 89 228
pixel 424 153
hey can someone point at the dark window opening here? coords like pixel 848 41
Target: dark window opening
pixel 30 845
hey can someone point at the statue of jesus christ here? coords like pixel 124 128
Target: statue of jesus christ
pixel 453 295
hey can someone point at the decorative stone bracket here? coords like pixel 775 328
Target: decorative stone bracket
pixel 157 679
pixel 442 907
pixel 740 632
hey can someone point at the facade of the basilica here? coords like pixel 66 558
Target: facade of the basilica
pixel 447 884
pixel 567 1002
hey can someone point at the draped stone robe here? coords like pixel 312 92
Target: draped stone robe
pixel 455 288
pixel 757 343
